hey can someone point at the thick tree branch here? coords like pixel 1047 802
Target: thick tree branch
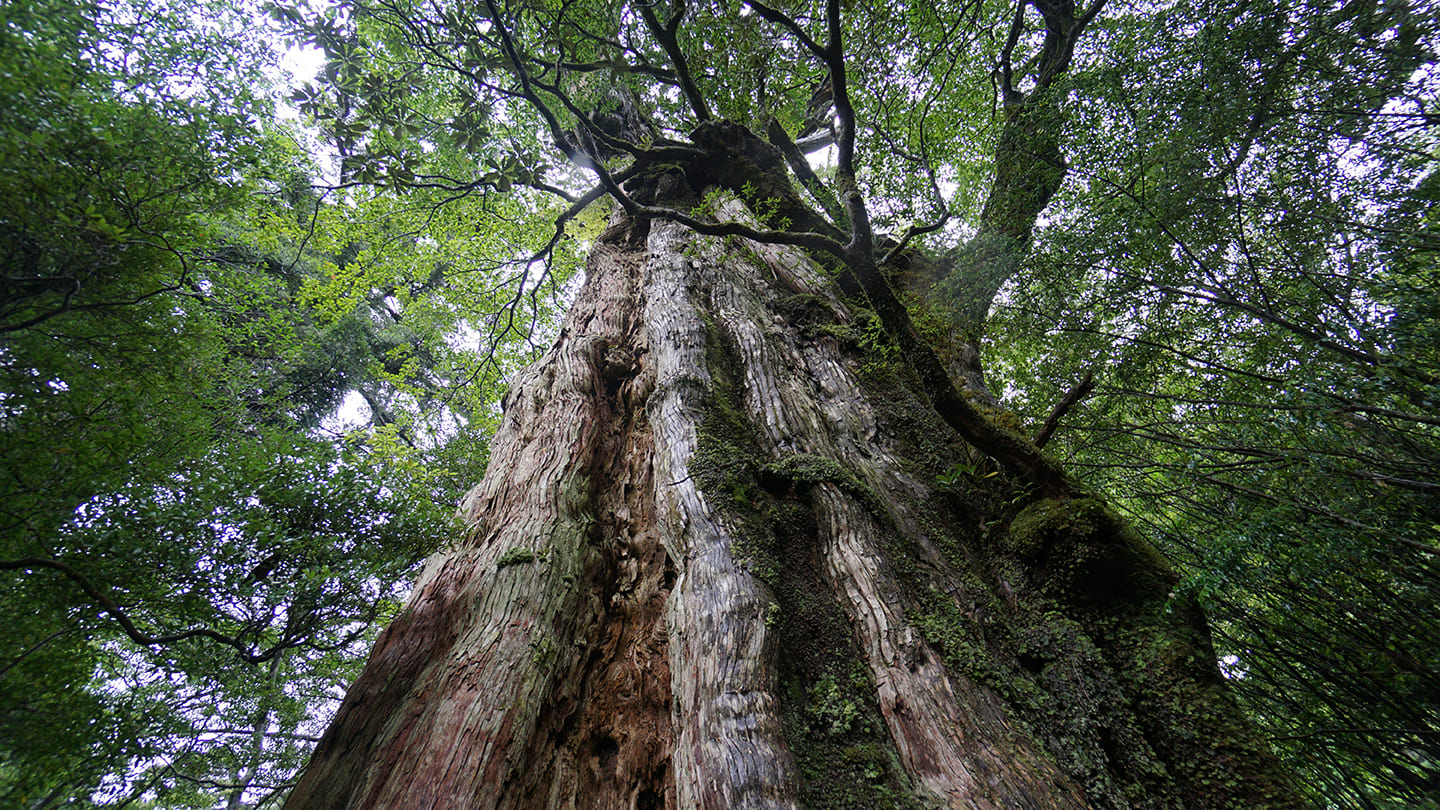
pixel 1062 31
pixel 1008 94
pixel 665 151
pixel 808 240
pixel 862 237
pixel 802 239
pixel 617 66
pixel 811 144
pixel 784 21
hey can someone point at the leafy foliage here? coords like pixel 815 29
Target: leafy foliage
pixel 1226 264
pixel 1242 253
pixel 194 557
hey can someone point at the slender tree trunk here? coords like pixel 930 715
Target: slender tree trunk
pixel 246 772
pixel 711 566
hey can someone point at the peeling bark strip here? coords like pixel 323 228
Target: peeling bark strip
pixel 710 567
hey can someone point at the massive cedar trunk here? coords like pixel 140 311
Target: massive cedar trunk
pixel 711 566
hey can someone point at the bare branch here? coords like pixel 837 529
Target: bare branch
pixel 118 613
pixel 912 232
pixel 1077 392
pixel 811 144
pixel 665 35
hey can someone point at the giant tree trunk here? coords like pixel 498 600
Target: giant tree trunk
pixel 711 566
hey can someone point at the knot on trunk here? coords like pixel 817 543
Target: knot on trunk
pixel 755 170
pixel 618 363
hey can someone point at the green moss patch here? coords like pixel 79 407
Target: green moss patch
pixel 727 461
pixel 803 309
pixel 515 556
pixel 797 472
pixel 1047 523
pixel 828 701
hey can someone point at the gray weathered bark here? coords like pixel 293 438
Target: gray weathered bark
pixel 710 566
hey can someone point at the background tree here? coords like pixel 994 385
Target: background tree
pixel 192 556
pixel 1240 246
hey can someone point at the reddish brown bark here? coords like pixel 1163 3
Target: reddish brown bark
pixel 711 567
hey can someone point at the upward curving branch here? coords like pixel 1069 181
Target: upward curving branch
pixel 1029 164
pixel 1063 27
pixel 862 237
pixel 666 35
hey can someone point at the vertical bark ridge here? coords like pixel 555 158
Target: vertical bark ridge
pixel 961 748
pixel 729 748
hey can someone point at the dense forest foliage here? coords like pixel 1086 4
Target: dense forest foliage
pixel 199 534
pixel 249 362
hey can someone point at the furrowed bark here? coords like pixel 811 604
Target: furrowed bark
pixel 729 750
pixel 711 567
pixel 483 692
pixel 806 406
